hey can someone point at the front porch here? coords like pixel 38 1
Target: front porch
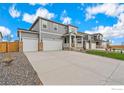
pixel 72 41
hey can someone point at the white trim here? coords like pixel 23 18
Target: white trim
pixel 44 22
pixel 29 38
pixel 30 44
pixel 52 33
pixel 55 25
pixel 20 36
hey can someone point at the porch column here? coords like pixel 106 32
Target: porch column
pixel 82 41
pixel 75 41
pixel 70 40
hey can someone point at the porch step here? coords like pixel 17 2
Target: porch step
pixel 78 49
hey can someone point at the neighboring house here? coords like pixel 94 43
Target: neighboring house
pixel 1 37
pixel 46 35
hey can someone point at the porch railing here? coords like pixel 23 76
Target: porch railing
pixel 99 46
pixel 77 45
pixel 66 45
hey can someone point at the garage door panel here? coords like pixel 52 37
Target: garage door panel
pixel 51 45
pixel 30 44
pixel 93 45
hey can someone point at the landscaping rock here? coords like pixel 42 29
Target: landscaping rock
pixel 18 72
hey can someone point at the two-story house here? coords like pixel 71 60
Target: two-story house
pixel 47 35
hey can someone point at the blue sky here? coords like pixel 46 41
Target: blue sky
pixel 107 19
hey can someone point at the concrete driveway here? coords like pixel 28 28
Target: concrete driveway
pixel 75 68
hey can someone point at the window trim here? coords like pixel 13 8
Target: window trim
pixel 44 23
pixel 55 26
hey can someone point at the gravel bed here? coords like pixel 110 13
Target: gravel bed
pixel 18 72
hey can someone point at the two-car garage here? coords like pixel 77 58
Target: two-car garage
pixel 30 43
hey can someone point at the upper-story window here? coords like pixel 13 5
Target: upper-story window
pixel 72 29
pixel 44 24
pixel 95 37
pixel 100 37
pixel 55 26
pixel 78 40
pixel 89 37
pixel 65 27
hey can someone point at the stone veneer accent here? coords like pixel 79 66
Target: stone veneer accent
pixel 40 46
pixel 20 46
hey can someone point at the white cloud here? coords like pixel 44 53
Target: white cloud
pixel 41 12
pixel 5 31
pixel 32 4
pixel 82 4
pixel 77 22
pixel 112 10
pixel 29 18
pixel 14 12
pixel 12 35
pixel 97 21
pixel 109 31
pixel 64 18
pixel 43 4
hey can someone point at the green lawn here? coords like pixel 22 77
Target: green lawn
pixel 107 54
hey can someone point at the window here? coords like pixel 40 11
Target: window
pixel 78 40
pixel 95 37
pixel 65 40
pixel 65 28
pixel 89 37
pixel 44 24
pixel 55 26
pixel 72 29
pixel 100 37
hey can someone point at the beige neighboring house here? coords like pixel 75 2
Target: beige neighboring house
pixel 48 35
pixel 1 37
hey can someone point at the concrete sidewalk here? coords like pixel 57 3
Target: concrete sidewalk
pixel 75 68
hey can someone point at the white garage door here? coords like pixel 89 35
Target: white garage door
pixel 93 45
pixel 87 45
pixel 30 44
pixel 52 44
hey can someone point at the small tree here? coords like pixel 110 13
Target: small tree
pixel 9 38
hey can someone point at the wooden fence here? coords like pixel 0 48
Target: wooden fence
pixel 9 46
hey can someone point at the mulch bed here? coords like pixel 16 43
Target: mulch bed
pixel 18 72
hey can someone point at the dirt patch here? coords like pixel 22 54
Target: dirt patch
pixel 18 72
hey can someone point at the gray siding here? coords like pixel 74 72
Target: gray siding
pixel 53 36
pixel 50 28
pixel 29 35
pixel 36 26
pixel 72 29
